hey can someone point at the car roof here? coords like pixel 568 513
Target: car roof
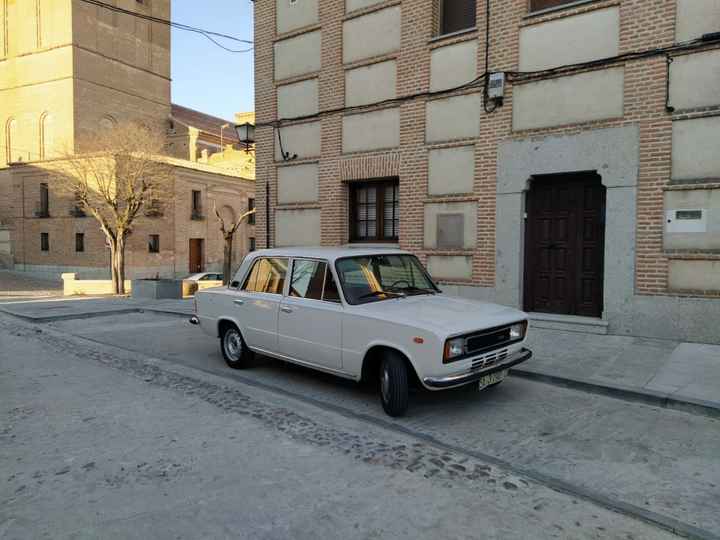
pixel 329 253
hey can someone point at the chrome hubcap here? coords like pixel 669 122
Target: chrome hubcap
pixel 385 384
pixel 233 345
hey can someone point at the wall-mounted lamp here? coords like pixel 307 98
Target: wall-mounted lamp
pixel 246 134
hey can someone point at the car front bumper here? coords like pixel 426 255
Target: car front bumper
pixel 459 379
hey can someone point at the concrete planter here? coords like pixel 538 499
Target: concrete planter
pixel 157 288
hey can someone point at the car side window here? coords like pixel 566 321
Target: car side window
pixel 330 293
pixel 307 279
pixel 267 275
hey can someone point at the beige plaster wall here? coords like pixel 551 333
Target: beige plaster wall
pixel 468 209
pixel 453 118
pixel 299 227
pixel 371 35
pixel 371 84
pixel 371 131
pixel 695 18
pixel 595 95
pixel 695 80
pixel 297 99
pixel 696 149
pixel 453 65
pixel 570 40
pixel 450 267
pixel 294 15
pixel 300 139
pixel 451 170
pixel 298 183
pixel 298 55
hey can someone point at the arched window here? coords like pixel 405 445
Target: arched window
pixel 11 153
pixel 47 139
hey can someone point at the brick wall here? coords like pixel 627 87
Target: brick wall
pixel 643 25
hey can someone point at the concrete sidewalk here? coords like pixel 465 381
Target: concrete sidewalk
pixel 665 373
pixel 662 372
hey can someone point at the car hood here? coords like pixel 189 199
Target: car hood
pixel 442 314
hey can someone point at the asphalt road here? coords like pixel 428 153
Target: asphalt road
pixel 645 459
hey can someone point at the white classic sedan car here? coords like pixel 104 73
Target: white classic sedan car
pixel 363 314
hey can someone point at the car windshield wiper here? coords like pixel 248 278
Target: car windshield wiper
pixel 424 290
pixel 412 288
pixel 384 293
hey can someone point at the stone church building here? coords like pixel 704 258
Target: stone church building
pixel 69 69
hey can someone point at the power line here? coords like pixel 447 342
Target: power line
pixel 209 34
pixel 514 76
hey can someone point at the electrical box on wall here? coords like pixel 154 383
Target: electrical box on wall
pixel 686 221
pixel 496 85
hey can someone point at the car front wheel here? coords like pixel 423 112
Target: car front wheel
pixel 394 384
pixel 233 347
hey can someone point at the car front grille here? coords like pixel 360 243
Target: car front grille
pixel 489 340
pixel 489 359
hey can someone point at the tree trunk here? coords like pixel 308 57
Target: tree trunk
pixel 113 267
pixel 120 264
pixel 227 261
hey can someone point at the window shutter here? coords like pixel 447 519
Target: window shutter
pixel 457 15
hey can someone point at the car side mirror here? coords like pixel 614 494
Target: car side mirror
pixel 234 284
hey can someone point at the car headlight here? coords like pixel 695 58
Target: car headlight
pixel 454 348
pixel 518 331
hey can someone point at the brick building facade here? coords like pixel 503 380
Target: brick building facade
pixel 590 196
pixel 68 69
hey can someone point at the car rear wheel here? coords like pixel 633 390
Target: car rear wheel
pixel 233 347
pixel 394 384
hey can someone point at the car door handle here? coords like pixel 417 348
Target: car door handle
pixel 239 302
pixel 286 309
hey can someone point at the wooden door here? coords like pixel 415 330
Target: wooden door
pixel 564 245
pixel 196 255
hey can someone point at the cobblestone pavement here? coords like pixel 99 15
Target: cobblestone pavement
pixel 18 284
pixel 149 449
pixel 655 459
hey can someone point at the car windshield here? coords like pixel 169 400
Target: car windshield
pixel 372 278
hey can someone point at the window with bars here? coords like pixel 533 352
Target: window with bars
pixel 375 211
pixel 456 15
pixel 537 5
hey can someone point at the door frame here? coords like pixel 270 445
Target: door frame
pixel 527 282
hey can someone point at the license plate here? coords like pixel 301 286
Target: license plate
pixel 493 378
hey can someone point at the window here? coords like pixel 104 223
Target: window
pixel 374 211
pixel 314 280
pixel 79 242
pixel 253 246
pixel 308 278
pixel 267 276
pixel 537 5
pixel 44 241
pixel 196 205
pixel 381 277
pixel 251 206
pixel 44 204
pixel 154 243
pixel 456 15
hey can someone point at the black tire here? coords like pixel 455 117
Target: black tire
pixel 394 384
pixel 233 347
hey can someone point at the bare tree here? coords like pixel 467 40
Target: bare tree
pixel 228 231
pixel 118 172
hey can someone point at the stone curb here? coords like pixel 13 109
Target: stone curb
pixel 93 314
pixel 629 393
